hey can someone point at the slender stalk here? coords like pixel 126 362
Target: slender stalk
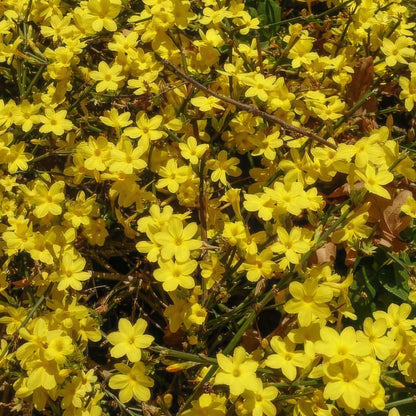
pixel 121 405
pixel 185 356
pixel 33 81
pixel 360 102
pixel 390 405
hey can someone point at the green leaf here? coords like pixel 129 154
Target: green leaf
pixel 389 281
pixel 368 285
pixel 273 12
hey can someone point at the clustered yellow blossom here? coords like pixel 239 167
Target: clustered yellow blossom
pixel 215 189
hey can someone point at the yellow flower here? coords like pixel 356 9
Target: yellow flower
pixel 109 77
pixel 197 314
pixel 260 202
pixel 55 122
pixel 129 339
pixel 132 382
pixel 97 153
pixel 148 129
pixel 48 201
pixel 27 115
pixel 126 159
pixel 177 313
pixel 206 103
pixel 222 167
pixel 310 301
pixel 259 265
pixel 348 380
pixel 259 85
pixel 286 358
pixel 19 236
pixel 355 227
pixel 14 319
pixel 95 231
pixel 289 197
pixel 259 401
pixel 266 144
pixel 17 158
pixel 398 51
pixel 58 28
pixel 214 16
pixel 396 318
pixel 234 232
pixel 207 404
pixel 104 12
pixel 291 245
pixel 192 151
pixel 301 54
pixel 43 373
pixel 177 241
pixel 337 347
pixel 113 119
pixel 125 43
pixel 172 176
pixel 238 372
pixel 408 93
pixel 59 346
pixel 174 274
pixel 374 333
pixel 212 270
pixel 79 211
pixel 409 207
pixel 71 272
pixel 374 179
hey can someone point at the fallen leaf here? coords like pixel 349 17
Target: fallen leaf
pixel 251 339
pixel 389 122
pixel 386 213
pixel 391 214
pixel 325 254
pixel 361 82
pixel 173 338
pixel 350 257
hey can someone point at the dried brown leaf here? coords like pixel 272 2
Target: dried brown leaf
pixel 350 257
pixel 362 80
pixel 391 215
pixel 386 213
pixel 326 253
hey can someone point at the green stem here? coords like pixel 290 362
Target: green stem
pixel 34 80
pixel 397 403
pixel 185 356
pixel 298 383
pixel 359 103
pixel 121 405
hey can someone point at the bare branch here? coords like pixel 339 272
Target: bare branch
pixel 249 108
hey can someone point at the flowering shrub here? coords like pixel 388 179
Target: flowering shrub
pixel 207 207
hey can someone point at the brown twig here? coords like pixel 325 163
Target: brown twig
pixel 249 108
pixel 259 53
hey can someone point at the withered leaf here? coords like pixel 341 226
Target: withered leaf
pixel 362 80
pixel 387 214
pixel 325 254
